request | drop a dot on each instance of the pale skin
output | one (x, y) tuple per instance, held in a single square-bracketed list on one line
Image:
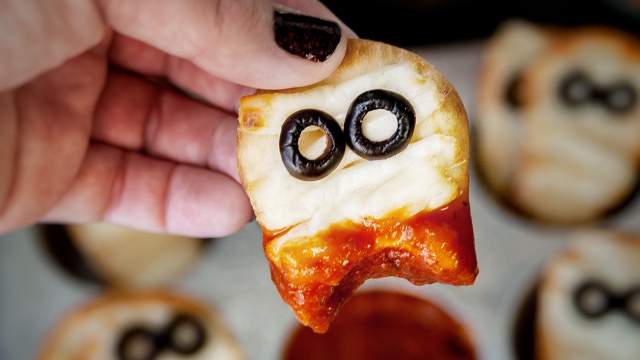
[(86, 135)]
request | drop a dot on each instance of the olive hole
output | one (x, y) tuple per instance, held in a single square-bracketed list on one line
[(576, 88), (138, 345), (592, 300), (633, 305), (621, 99), (185, 335), (578, 91), (140, 349), (379, 125), (313, 142)]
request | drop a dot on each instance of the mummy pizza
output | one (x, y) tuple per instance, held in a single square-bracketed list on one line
[(360, 176), (500, 117), (137, 326), (123, 257), (575, 154), (589, 301)]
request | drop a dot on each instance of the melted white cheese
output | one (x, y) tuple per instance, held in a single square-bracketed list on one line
[(416, 179)]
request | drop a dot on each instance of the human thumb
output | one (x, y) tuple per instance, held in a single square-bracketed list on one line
[(250, 42)]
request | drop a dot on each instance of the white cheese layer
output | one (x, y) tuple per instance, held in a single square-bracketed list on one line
[(418, 178)]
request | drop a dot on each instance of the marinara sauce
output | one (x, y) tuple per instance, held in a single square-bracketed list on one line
[(384, 325)]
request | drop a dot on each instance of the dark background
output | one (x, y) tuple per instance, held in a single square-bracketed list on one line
[(421, 22)]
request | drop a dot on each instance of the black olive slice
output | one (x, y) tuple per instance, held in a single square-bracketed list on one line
[(299, 166), (384, 100), (632, 304), (185, 335), (620, 98), (576, 88), (592, 299), (63, 251), (137, 343), (512, 92)]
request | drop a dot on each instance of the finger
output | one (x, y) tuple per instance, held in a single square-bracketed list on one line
[(137, 56), (134, 190), (238, 40), (318, 9), (47, 123), (41, 35), (138, 115)]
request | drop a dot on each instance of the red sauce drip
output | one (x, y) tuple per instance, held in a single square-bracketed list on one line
[(317, 275), (385, 325)]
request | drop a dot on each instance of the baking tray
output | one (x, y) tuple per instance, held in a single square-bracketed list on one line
[(233, 274)]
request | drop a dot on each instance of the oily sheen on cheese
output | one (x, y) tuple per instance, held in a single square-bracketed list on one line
[(325, 237)]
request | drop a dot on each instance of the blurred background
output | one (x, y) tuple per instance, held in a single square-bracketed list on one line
[(46, 272), (426, 22)]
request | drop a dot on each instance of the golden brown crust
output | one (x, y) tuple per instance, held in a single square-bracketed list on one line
[(361, 56), (566, 41), (453, 108)]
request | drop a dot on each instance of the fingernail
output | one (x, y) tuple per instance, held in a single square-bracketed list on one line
[(305, 36)]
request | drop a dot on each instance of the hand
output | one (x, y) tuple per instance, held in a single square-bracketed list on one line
[(90, 130)]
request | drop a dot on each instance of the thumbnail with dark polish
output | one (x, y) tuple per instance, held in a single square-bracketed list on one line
[(305, 36)]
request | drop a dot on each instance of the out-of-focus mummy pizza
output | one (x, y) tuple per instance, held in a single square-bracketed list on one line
[(581, 155), (362, 175), (500, 117), (576, 155), (126, 258), (589, 300), (141, 326)]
